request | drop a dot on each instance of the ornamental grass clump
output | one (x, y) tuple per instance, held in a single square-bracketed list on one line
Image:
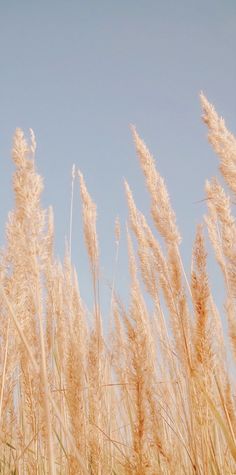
[(158, 395)]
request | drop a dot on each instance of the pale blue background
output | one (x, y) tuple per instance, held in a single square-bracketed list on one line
[(79, 72)]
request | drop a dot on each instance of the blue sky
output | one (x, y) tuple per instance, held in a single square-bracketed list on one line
[(79, 72)]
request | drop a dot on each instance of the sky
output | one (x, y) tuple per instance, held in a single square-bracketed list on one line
[(80, 72)]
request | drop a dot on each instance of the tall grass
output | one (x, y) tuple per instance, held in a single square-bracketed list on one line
[(157, 397)]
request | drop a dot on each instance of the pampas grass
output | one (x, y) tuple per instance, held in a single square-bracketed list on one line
[(157, 396)]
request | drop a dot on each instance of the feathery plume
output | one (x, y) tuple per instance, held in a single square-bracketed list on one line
[(222, 141), (163, 214)]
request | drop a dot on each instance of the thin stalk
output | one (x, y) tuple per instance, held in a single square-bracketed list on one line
[(71, 207), (4, 367), (46, 393)]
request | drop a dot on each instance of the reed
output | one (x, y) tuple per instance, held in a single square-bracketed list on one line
[(157, 396)]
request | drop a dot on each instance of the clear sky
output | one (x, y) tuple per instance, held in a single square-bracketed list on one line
[(79, 72)]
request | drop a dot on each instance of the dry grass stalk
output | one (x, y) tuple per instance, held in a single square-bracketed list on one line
[(159, 397), (223, 142)]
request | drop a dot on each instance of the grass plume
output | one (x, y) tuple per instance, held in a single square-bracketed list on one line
[(157, 396)]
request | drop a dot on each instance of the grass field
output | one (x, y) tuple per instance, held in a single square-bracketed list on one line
[(158, 396)]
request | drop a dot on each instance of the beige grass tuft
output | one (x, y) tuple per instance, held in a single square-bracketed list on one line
[(157, 396)]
